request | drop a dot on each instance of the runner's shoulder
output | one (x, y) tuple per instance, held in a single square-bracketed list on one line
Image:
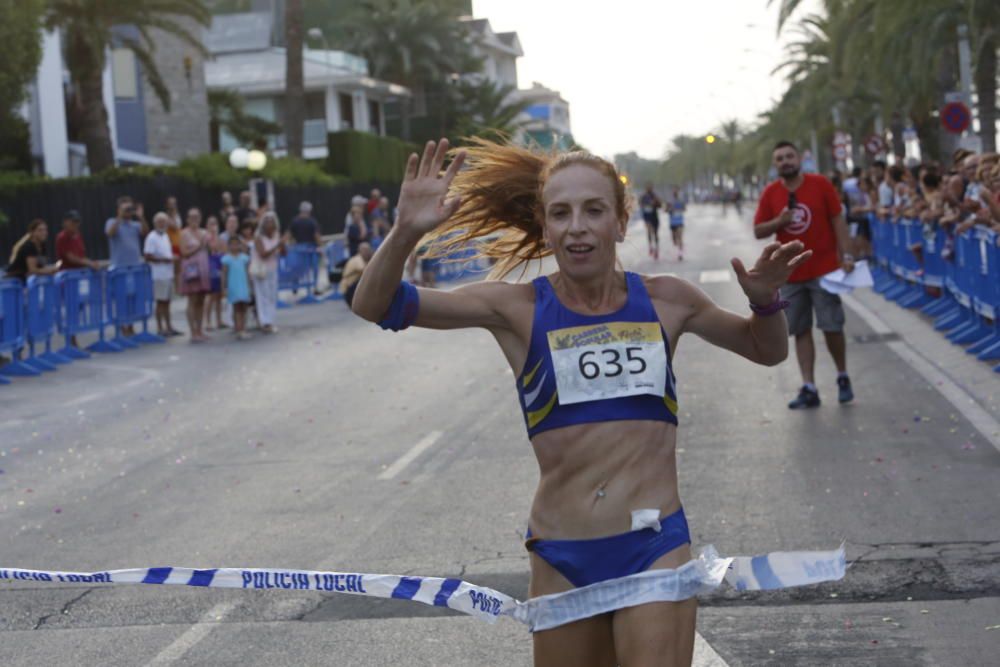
[(670, 289), (499, 294)]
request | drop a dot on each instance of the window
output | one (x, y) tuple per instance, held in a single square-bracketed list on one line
[(346, 111), (315, 106), (375, 116), (124, 74)]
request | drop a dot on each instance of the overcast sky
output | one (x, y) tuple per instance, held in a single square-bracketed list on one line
[(638, 72)]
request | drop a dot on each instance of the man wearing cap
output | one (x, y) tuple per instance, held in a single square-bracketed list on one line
[(69, 245)]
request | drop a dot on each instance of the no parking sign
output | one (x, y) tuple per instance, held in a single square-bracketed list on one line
[(955, 117)]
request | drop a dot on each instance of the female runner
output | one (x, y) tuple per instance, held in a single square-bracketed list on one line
[(592, 349)]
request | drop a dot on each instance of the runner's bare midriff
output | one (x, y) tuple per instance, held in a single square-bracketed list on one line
[(592, 476)]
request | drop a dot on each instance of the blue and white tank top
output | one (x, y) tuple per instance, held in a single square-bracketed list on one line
[(594, 368)]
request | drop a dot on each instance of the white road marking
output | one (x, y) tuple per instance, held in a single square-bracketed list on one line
[(192, 635), (963, 402), (718, 276), (407, 458), (705, 655)]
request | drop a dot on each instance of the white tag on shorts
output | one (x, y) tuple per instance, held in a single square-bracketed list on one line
[(609, 360)]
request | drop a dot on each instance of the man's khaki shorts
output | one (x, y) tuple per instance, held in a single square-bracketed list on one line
[(806, 297)]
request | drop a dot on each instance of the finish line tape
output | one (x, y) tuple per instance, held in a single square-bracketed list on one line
[(781, 569)]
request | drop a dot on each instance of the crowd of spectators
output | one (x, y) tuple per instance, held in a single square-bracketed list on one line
[(954, 197), (225, 263)]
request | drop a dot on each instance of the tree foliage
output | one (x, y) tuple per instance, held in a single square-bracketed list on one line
[(227, 110), (856, 62), (20, 33), (91, 27), (486, 109)]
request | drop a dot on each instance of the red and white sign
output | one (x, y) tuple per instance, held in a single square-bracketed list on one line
[(956, 117), (874, 144)]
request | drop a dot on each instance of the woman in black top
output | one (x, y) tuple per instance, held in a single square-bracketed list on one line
[(28, 257)]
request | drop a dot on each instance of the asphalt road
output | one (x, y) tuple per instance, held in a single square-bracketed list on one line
[(269, 453)]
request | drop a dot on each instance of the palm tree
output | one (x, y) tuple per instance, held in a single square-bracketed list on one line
[(295, 94), (911, 53), (413, 43), (227, 110), (488, 110), (87, 26), (20, 34)]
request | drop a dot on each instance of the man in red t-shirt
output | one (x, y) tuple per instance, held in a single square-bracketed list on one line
[(806, 207), (69, 245)]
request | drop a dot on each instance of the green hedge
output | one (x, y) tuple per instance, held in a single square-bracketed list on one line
[(211, 170), (361, 156)]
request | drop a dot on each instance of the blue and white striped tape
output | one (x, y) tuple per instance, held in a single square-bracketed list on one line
[(768, 572)]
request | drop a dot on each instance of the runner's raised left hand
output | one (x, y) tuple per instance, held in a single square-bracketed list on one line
[(771, 270)]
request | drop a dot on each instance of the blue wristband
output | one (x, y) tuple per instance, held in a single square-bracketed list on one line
[(403, 310)]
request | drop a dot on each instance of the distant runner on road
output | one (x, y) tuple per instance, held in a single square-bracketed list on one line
[(592, 349), (677, 206), (650, 206)]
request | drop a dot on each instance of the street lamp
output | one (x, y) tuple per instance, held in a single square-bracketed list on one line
[(238, 158), (256, 160)]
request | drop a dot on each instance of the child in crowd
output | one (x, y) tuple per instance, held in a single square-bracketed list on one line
[(236, 285), (216, 249), (232, 229), (247, 230)]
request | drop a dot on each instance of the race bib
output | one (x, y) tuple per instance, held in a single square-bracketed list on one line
[(609, 360)]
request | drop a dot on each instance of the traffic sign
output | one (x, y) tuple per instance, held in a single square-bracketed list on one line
[(955, 117), (874, 144)]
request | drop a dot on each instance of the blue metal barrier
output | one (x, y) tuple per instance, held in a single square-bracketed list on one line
[(965, 267), (460, 264), (40, 322), (299, 269), (130, 301), (912, 238), (12, 329), (967, 273), (144, 303), (955, 313), (986, 292), (81, 309), (120, 307)]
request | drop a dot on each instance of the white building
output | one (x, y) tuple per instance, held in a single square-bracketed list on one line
[(545, 120), (340, 95), (141, 130), (499, 52)]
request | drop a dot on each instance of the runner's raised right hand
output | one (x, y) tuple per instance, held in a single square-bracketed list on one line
[(423, 205)]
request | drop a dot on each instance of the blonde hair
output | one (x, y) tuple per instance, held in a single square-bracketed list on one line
[(501, 213), (986, 163), (268, 215), (32, 226)]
